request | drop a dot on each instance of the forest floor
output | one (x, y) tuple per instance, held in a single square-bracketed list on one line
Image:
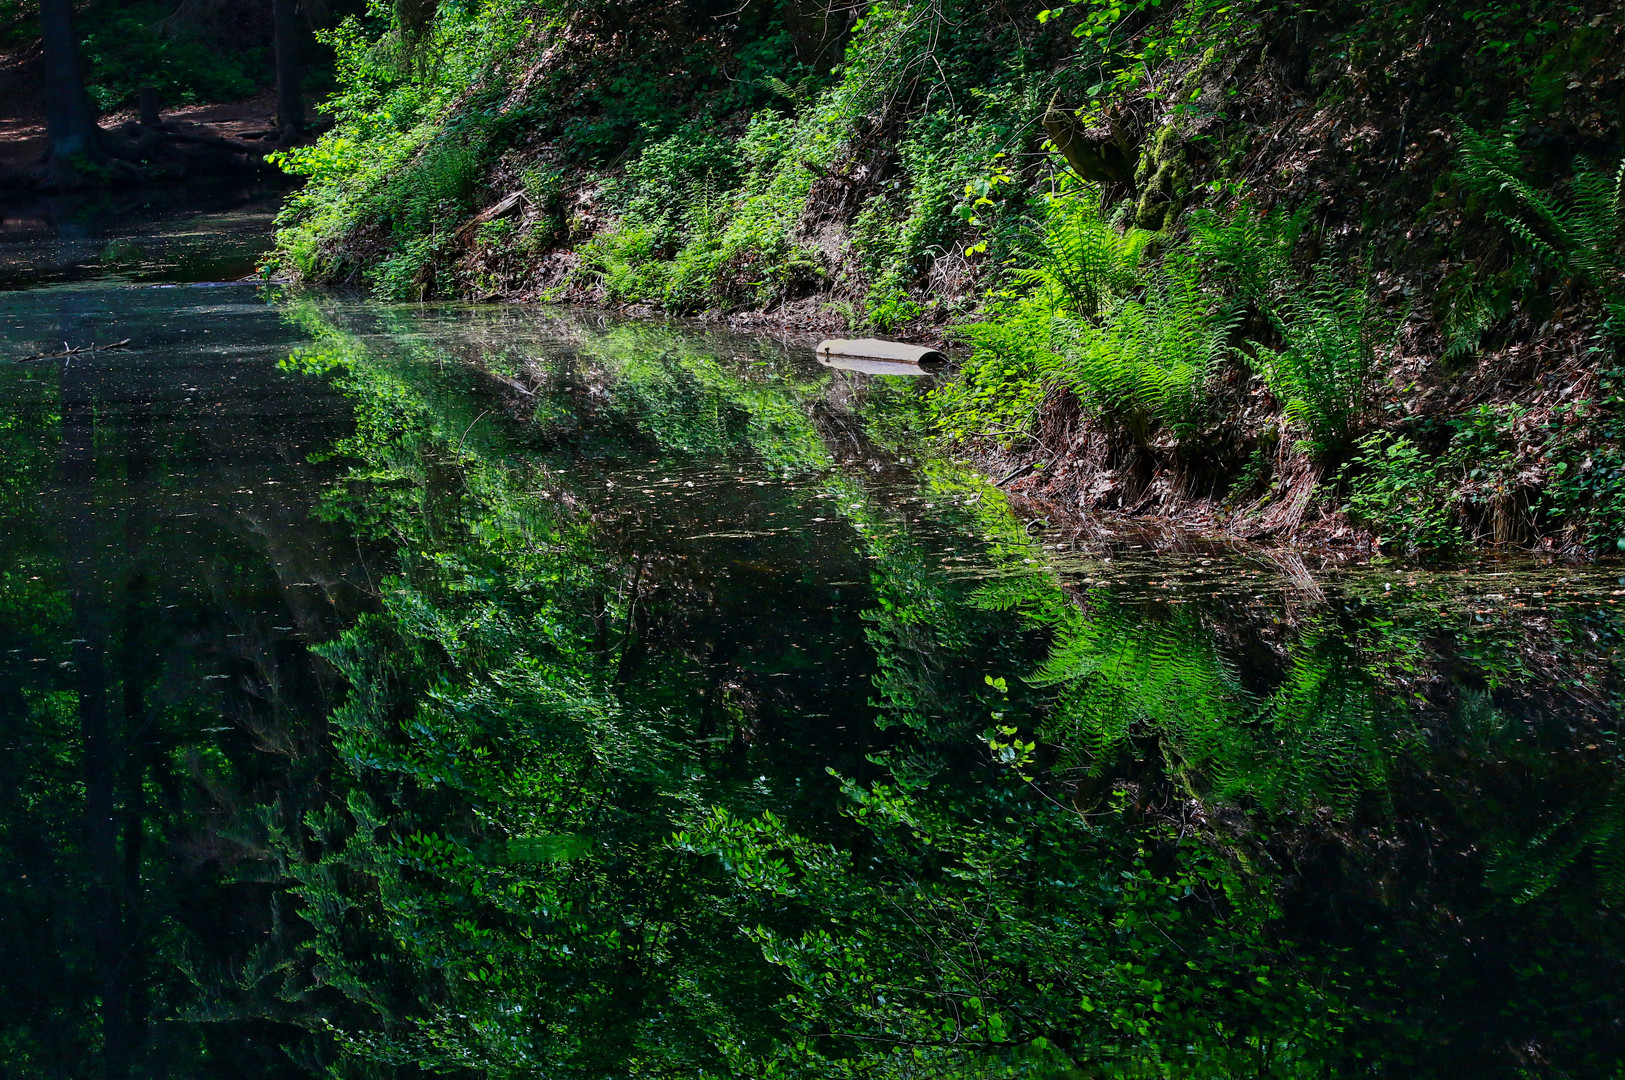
[(22, 109), (22, 112)]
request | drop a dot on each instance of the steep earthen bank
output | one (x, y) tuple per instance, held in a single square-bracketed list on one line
[(905, 193)]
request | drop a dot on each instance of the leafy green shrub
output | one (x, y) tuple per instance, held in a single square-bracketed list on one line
[(671, 177), (894, 308), (632, 100), (916, 219), (762, 251), (1328, 332), (1000, 389), (433, 191), (1418, 501), (1138, 344), (626, 266), (691, 281), (496, 233), (667, 248), (393, 160), (1484, 456), (676, 202), (1403, 494), (544, 190), (405, 275), (1577, 231), (128, 47), (735, 217)]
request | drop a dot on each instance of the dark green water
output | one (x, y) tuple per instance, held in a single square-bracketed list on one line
[(213, 231), (452, 691)]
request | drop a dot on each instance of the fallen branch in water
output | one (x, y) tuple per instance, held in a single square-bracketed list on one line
[(1020, 471), (69, 350)]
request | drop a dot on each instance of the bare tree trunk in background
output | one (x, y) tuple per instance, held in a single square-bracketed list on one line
[(68, 120), (290, 106), (147, 97)]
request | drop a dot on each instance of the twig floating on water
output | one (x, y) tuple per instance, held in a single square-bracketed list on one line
[(69, 350)]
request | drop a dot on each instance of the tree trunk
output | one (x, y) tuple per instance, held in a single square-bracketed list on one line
[(290, 106), (69, 123), (147, 96)]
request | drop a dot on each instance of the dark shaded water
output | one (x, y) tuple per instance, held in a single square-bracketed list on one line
[(210, 231), (390, 691)]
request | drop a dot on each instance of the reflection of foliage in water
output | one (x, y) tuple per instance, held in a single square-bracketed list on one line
[(1088, 835), (1120, 673), (521, 763), (1350, 699), (985, 928), (520, 754), (1449, 760), (148, 700)]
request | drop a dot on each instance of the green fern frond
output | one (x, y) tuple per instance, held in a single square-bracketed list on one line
[(1322, 373), (1582, 235), (1249, 252), (1081, 259), (1147, 362)]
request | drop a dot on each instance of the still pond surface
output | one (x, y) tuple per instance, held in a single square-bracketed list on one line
[(404, 691)]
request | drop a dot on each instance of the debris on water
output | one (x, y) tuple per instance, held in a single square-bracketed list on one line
[(872, 356), (69, 350)]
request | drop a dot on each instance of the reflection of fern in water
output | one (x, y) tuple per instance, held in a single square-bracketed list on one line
[(1525, 864), (1319, 740), (1525, 867), (1314, 740), (1327, 731), (1120, 674)]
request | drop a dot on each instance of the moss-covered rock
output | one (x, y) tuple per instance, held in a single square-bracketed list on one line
[(1162, 179)]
